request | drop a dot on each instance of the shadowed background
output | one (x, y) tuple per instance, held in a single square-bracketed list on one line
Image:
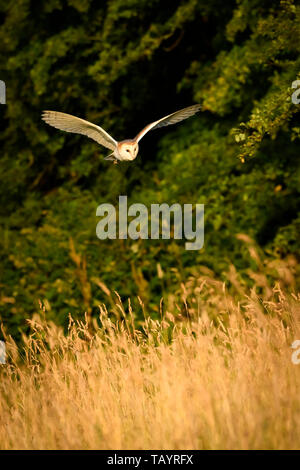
[(122, 64)]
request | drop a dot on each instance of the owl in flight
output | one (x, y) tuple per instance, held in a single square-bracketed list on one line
[(123, 150)]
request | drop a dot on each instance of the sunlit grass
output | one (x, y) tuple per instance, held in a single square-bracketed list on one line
[(221, 377)]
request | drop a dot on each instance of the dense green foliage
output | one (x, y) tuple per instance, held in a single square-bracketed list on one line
[(121, 64)]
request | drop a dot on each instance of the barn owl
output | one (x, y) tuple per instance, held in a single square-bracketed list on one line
[(121, 151)]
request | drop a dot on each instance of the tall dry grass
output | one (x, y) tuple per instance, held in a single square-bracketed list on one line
[(218, 377)]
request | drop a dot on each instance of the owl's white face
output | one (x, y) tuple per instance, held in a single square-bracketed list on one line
[(128, 150)]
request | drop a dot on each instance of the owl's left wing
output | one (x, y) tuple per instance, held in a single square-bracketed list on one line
[(70, 123), (170, 119)]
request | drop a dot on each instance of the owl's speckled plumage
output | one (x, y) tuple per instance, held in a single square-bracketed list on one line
[(124, 150)]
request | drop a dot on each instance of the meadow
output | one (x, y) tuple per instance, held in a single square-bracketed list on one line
[(219, 376)]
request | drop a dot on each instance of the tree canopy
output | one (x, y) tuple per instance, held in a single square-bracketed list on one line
[(122, 64)]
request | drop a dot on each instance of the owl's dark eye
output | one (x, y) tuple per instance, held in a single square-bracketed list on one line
[(127, 150)]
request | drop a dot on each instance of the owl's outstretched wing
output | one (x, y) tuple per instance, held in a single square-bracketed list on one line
[(69, 123), (170, 119)]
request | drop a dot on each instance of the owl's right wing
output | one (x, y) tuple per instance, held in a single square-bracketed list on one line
[(170, 119), (69, 123)]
